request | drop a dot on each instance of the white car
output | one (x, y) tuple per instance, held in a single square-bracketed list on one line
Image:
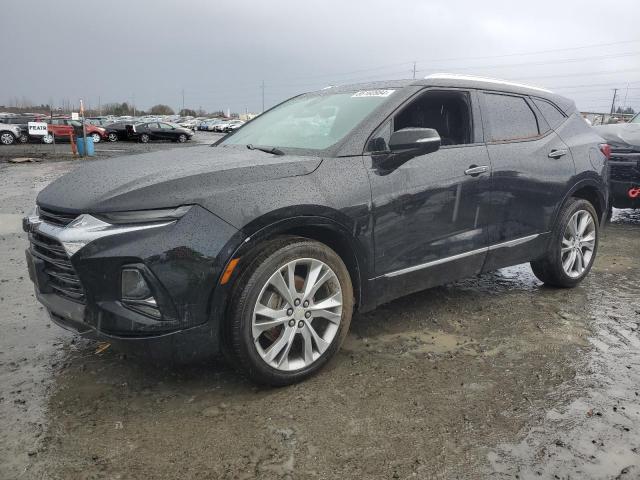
[(10, 134)]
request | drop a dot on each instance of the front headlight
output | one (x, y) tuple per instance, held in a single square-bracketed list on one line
[(89, 227), (143, 216)]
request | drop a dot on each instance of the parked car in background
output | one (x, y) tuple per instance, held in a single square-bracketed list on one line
[(118, 130), (233, 126), (210, 126), (330, 203), (222, 126), (190, 124), (55, 127), (10, 134), (99, 122), (144, 132), (624, 165)]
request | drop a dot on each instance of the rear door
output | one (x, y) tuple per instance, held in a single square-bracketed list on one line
[(153, 130), (531, 170)]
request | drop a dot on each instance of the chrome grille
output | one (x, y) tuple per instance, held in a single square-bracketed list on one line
[(56, 218), (60, 272)]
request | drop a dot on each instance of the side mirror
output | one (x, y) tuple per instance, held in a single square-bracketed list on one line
[(408, 143), (418, 140)]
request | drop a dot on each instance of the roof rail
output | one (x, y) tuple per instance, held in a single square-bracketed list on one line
[(457, 76)]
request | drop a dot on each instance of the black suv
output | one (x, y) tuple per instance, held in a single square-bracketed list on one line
[(264, 244), (624, 167)]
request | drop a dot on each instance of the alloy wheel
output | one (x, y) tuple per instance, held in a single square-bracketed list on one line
[(297, 314), (578, 243), (6, 139), (48, 138), (96, 137)]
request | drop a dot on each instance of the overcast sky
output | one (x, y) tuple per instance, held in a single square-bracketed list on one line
[(220, 52)]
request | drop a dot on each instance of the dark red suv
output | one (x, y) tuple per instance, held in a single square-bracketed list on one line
[(60, 128)]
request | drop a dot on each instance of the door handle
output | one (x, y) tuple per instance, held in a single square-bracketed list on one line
[(474, 170), (557, 153)]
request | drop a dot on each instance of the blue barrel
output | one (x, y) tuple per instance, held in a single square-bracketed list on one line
[(90, 148)]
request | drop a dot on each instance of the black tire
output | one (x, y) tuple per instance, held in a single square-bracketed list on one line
[(549, 269), (7, 138), (24, 138), (182, 138), (240, 345), (96, 137), (47, 139), (144, 138), (112, 137)]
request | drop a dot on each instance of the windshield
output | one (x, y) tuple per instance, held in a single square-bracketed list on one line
[(310, 122), (635, 119)]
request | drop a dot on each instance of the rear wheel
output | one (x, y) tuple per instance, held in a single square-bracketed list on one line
[(182, 138), (574, 243), (144, 138), (48, 138), (24, 138), (7, 138), (96, 137), (290, 311), (112, 137)]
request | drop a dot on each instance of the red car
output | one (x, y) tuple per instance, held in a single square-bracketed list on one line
[(61, 127)]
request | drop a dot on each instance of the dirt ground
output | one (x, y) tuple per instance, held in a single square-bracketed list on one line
[(492, 377)]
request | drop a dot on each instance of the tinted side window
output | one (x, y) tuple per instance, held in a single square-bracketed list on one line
[(551, 114), (510, 118)]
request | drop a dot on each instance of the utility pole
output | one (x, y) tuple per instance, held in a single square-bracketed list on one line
[(263, 96), (133, 103), (613, 102), (183, 99), (99, 106), (414, 70)]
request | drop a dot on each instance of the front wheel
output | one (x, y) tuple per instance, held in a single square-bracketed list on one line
[(7, 138), (574, 243), (96, 137), (112, 137), (290, 311), (182, 138), (144, 138), (48, 139)]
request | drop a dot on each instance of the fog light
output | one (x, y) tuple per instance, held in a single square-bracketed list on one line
[(134, 286), (136, 294)]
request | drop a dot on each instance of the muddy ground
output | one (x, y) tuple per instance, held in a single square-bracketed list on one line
[(492, 377)]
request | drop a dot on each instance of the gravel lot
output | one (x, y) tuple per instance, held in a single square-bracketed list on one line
[(492, 377)]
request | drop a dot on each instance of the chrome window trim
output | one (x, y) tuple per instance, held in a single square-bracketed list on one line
[(440, 261)]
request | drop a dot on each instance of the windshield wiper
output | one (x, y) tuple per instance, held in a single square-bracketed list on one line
[(273, 150)]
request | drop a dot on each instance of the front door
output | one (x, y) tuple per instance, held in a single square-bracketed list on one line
[(430, 214)]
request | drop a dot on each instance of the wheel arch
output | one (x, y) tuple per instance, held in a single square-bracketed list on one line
[(321, 229), (590, 189)]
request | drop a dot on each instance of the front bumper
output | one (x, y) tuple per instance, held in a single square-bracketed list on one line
[(624, 179), (182, 262)]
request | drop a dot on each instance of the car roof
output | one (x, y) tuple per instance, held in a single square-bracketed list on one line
[(452, 80)]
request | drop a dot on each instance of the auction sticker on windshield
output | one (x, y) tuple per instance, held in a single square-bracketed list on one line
[(373, 93)]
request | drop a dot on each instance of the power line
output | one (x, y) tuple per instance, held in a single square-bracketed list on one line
[(549, 62), (484, 57)]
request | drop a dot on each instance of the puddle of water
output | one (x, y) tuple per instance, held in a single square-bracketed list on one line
[(412, 342), (595, 433)]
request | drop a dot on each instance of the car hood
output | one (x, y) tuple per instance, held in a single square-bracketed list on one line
[(166, 179), (621, 135)]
